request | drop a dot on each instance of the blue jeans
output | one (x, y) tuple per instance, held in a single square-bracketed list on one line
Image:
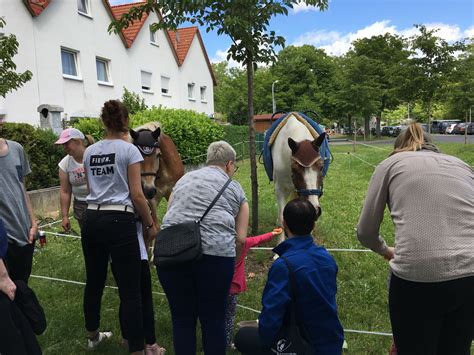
[(199, 291)]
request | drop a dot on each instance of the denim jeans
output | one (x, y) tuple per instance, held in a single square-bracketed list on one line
[(199, 291), (113, 233)]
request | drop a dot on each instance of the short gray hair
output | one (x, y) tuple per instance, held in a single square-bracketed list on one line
[(219, 153)]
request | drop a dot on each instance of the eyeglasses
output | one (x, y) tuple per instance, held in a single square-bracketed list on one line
[(236, 167)]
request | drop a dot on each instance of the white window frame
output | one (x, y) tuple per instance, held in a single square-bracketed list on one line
[(75, 54), (88, 12), (165, 89), (107, 71), (191, 87), (146, 89), (153, 37), (202, 93)]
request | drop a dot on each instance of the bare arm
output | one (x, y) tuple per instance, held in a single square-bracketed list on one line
[(241, 225), (34, 225), (65, 198), (139, 200), (6, 284)]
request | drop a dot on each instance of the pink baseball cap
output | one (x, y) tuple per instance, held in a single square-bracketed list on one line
[(68, 134)]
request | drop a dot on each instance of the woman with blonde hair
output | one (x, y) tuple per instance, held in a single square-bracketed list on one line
[(72, 179), (430, 196)]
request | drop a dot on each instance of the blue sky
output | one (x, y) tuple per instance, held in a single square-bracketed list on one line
[(347, 20)]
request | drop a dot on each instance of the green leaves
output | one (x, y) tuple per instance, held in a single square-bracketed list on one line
[(9, 79)]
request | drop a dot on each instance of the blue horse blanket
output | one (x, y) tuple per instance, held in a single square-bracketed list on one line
[(267, 153)]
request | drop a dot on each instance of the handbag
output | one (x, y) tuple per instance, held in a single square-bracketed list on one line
[(180, 243), (290, 339)]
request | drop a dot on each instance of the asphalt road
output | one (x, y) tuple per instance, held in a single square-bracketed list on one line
[(445, 138)]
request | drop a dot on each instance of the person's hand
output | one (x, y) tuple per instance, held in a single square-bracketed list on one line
[(151, 233), (66, 224), (7, 286), (33, 231), (389, 253), (277, 231)]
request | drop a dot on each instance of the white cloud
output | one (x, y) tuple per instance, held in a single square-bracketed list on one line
[(337, 43), (221, 55), (302, 7), (469, 32)]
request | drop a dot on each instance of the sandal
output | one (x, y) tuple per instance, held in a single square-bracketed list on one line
[(154, 349)]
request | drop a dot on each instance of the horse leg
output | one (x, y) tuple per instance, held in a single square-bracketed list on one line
[(281, 195)]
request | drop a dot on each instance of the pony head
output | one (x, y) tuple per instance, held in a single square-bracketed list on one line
[(147, 141), (307, 169)]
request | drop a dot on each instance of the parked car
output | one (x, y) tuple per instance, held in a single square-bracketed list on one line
[(387, 131), (470, 128), (449, 129), (459, 128)]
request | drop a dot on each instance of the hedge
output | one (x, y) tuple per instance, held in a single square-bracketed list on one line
[(42, 153), (192, 132)]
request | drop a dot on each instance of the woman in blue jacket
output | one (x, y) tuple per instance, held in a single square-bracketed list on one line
[(315, 274)]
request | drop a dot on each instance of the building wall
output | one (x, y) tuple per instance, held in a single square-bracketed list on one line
[(60, 25)]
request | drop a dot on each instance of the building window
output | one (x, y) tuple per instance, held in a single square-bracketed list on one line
[(203, 93), (152, 36), (165, 85), (191, 91), (83, 6), (103, 70), (146, 80), (69, 63)]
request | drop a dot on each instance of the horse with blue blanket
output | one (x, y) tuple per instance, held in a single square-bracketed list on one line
[(296, 157)]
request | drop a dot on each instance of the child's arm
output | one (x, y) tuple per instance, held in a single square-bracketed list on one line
[(251, 242)]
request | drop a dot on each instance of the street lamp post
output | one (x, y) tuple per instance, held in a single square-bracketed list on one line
[(273, 96)]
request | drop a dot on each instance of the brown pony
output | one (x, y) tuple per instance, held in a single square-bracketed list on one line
[(161, 166)]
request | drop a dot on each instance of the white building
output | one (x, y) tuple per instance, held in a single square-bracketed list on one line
[(77, 65)]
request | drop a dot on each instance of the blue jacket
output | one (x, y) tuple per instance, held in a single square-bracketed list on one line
[(316, 310)]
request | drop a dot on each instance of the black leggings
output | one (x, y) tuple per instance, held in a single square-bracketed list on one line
[(432, 318), (147, 304), (112, 233)]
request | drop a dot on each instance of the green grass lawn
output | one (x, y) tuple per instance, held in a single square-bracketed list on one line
[(362, 279)]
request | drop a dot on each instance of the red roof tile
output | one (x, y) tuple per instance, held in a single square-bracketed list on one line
[(131, 32), (267, 117), (35, 7)]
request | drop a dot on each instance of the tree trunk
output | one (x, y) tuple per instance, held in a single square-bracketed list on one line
[(366, 125), (377, 127), (349, 121), (430, 106), (252, 149)]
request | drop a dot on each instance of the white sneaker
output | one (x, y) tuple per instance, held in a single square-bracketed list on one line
[(92, 344)]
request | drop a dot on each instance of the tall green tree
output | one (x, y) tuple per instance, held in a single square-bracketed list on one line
[(386, 56), (246, 22), (432, 63), (461, 86), (9, 79)]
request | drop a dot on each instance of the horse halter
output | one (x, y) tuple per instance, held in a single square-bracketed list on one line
[(146, 144), (308, 192)]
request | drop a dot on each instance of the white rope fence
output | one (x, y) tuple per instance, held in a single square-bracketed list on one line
[(80, 283)]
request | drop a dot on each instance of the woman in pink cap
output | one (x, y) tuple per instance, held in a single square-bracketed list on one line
[(71, 175)]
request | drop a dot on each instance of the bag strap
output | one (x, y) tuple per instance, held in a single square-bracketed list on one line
[(215, 199)]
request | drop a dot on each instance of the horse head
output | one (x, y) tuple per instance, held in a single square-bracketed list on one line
[(307, 169), (148, 142)]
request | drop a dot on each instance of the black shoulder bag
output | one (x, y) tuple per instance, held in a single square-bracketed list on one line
[(181, 243), (290, 339)]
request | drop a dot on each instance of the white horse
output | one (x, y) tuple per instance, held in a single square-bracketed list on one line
[(297, 163)]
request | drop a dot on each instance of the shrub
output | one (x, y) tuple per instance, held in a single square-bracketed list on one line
[(192, 132), (236, 134), (42, 153), (92, 126), (133, 102)]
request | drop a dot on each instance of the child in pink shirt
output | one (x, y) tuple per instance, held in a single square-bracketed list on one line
[(239, 283)]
